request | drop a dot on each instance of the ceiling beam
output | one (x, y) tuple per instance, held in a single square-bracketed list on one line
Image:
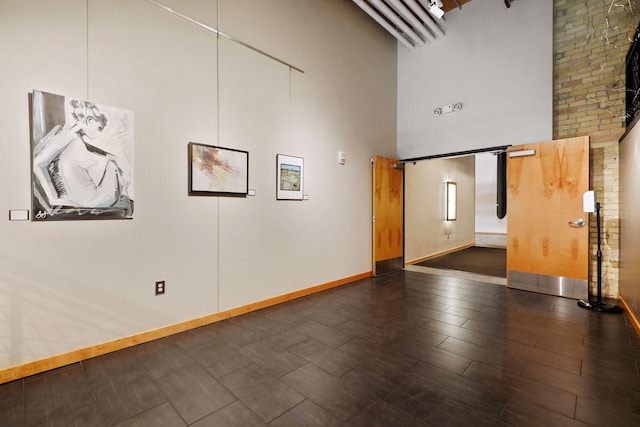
[(448, 5)]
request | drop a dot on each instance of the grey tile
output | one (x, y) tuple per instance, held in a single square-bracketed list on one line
[(162, 356), (235, 335), (86, 416), (464, 391), (125, 395), (318, 313), (450, 413), (434, 356), (258, 323), (342, 399), (520, 412), (306, 414), (52, 395), (116, 363), (324, 333), (402, 349), (195, 337), (284, 315), (12, 403), (194, 393), (163, 415), (233, 415), (459, 332), (384, 336), (377, 413), (275, 358), (599, 413), (264, 394), (282, 338), (391, 384), (218, 358), (334, 361)]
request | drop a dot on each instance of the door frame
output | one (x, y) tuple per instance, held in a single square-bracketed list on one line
[(391, 258)]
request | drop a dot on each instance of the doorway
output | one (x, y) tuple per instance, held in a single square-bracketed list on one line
[(472, 244), (490, 224), (547, 234)]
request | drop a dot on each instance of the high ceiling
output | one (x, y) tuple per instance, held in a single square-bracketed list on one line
[(415, 23)]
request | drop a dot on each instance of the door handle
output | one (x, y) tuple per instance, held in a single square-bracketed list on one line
[(578, 223)]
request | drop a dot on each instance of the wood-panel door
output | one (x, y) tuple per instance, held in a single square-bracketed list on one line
[(388, 240), (547, 243)]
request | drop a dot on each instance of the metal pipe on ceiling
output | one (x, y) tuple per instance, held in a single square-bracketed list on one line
[(397, 19), (427, 19), (413, 19), (407, 20), (383, 22)]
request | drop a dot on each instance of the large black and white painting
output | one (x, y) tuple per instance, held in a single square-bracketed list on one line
[(82, 157)]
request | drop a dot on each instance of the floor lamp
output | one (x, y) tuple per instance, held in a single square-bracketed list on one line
[(596, 304)]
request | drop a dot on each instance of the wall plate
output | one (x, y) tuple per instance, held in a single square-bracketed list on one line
[(19, 215)]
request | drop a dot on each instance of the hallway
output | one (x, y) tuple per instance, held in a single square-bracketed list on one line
[(404, 349)]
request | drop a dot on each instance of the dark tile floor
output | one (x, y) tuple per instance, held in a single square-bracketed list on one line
[(406, 349)]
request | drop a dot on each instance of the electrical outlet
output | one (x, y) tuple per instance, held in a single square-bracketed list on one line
[(160, 287)]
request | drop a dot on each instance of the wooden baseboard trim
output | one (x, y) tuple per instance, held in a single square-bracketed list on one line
[(43, 365), (448, 251), (632, 317)]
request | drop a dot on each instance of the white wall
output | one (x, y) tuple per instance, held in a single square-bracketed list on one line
[(630, 219), (486, 195), (496, 61), (426, 231), (69, 285)]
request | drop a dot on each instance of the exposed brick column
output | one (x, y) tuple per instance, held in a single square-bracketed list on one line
[(591, 40)]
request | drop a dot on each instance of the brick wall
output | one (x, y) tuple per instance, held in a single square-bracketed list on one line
[(591, 39)]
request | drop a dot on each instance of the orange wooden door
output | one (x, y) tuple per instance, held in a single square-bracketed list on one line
[(547, 245), (388, 243)]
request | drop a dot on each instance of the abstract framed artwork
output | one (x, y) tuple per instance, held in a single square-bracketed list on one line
[(218, 171), (290, 177), (81, 159)]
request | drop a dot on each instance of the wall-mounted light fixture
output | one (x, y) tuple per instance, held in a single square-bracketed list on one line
[(435, 8), (450, 201)]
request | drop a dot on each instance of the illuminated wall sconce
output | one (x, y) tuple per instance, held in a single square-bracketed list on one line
[(450, 201)]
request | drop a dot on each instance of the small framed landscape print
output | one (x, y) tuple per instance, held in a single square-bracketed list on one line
[(290, 177), (218, 171)]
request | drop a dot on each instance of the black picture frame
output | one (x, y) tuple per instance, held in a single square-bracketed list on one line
[(289, 177), (217, 171)]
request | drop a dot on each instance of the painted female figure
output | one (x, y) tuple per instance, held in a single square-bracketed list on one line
[(74, 173)]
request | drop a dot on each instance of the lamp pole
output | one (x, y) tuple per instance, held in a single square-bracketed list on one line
[(598, 305)]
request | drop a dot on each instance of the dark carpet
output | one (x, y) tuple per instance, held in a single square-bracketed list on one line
[(486, 261)]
